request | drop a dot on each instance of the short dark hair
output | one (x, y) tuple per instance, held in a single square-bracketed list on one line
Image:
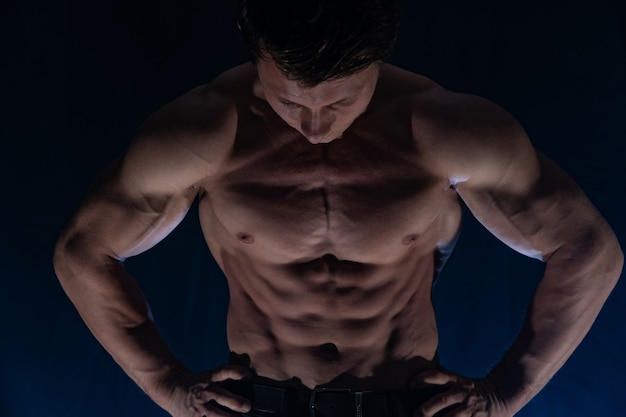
[(319, 40)]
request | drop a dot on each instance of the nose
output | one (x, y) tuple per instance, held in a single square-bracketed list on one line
[(315, 125)]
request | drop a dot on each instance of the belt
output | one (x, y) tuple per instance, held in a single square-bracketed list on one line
[(273, 401)]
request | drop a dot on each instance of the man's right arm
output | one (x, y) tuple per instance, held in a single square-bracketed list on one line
[(132, 206)]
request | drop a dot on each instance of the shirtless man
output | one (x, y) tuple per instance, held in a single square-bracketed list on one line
[(328, 184)]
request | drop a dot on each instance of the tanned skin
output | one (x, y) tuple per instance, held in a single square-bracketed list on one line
[(324, 207)]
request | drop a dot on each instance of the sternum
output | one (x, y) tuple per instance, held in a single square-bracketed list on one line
[(324, 193)]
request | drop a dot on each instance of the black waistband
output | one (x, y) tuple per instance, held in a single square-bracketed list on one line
[(274, 401)]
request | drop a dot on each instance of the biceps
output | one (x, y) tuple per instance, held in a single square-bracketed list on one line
[(145, 228), (118, 226), (536, 221)]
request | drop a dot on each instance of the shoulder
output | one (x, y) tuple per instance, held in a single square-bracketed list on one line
[(457, 136), (202, 120), (471, 138), (186, 140)]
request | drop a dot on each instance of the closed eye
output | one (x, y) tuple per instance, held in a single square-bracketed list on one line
[(289, 104), (342, 103)]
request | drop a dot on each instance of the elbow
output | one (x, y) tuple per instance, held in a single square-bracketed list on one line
[(61, 259), (612, 260), (76, 258), (619, 262), (70, 256), (595, 253), (615, 254)]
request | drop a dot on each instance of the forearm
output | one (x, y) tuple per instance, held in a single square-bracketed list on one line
[(566, 302), (115, 311)]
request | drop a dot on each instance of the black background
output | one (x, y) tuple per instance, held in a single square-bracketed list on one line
[(77, 78)]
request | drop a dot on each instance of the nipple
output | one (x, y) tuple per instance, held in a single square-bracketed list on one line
[(245, 237), (410, 239)]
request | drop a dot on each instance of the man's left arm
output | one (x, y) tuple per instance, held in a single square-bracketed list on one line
[(533, 206)]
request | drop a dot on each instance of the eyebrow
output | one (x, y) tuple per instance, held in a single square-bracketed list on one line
[(286, 100)]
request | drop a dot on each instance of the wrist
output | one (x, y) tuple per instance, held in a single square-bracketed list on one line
[(163, 390), (510, 387)]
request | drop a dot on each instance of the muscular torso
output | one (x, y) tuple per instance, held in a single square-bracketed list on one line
[(329, 249)]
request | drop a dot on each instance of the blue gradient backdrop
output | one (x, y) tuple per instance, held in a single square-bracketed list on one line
[(78, 77)]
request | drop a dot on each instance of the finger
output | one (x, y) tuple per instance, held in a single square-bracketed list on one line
[(442, 401), (440, 378), (432, 377), (222, 397), (232, 401), (230, 372), (211, 410)]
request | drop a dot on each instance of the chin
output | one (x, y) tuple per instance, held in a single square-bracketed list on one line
[(326, 139)]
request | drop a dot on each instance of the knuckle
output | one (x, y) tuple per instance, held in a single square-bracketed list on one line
[(446, 398), (242, 403), (451, 397), (460, 397)]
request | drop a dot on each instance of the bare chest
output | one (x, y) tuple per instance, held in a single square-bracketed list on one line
[(359, 201)]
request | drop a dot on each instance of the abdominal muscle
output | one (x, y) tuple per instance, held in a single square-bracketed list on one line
[(332, 322), (329, 253)]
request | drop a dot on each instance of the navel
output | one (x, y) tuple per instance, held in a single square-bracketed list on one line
[(328, 351), (245, 237), (331, 262)]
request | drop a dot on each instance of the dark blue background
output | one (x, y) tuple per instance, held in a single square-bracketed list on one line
[(78, 77)]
